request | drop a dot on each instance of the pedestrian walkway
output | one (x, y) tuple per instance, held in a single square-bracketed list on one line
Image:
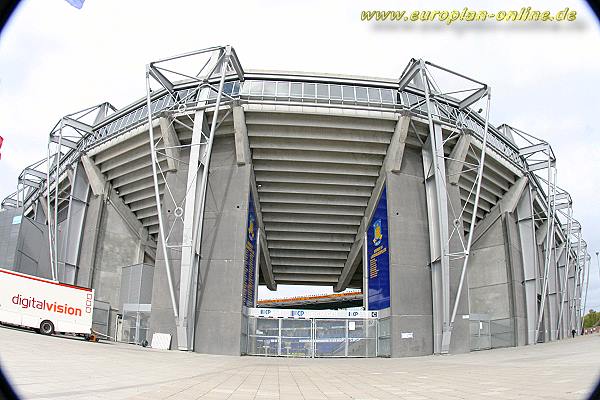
[(56, 368)]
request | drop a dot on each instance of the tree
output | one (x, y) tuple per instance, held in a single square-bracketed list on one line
[(591, 319)]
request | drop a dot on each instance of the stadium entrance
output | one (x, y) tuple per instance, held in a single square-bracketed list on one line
[(316, 333)]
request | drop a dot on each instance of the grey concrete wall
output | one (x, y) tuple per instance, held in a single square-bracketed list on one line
[(116, 247), (24, 245), (410, 275), (32, 254), (488, 277), (496, 280), (460, 342), (9, 234), (219, 297), (219, 305)]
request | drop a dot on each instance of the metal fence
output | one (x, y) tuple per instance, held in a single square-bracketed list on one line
[(314, 337), (491, 334), (136, 302)]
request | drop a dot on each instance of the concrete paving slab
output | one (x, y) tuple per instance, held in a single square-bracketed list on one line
[(57, 368)]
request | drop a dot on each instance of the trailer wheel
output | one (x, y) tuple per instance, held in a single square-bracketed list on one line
[(46, 327)]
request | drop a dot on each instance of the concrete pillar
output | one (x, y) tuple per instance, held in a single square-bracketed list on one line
[(514, 255), (218, 319), (89, 242), (410, 274)]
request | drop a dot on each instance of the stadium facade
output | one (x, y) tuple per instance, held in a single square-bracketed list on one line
[(454, 229)]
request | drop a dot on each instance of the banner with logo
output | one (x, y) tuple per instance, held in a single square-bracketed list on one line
[(378, 257), (250, 255)]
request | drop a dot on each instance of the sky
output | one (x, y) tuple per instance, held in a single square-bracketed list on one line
[(56, 59)]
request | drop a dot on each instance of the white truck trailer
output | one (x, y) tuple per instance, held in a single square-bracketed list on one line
[(45, 305)]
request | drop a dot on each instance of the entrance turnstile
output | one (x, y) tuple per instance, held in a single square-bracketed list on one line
[(312, 333)]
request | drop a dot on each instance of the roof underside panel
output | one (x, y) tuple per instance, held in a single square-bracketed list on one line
[(315, 175)]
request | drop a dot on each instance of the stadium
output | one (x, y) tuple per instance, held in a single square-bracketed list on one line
[(452, 231)]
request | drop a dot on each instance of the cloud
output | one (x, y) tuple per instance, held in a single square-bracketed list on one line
[(55, 59)]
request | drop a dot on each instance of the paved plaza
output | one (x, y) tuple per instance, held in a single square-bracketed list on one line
[(67, 368)]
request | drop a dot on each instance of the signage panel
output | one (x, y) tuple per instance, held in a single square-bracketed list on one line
[(378, 257), (307, 314), (248, 290)]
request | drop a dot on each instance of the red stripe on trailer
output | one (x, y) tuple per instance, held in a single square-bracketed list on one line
[(34, 278)]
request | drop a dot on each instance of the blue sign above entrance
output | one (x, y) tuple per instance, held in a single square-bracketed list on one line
[(378, 257)]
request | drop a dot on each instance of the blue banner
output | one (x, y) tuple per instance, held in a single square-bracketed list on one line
[(378, 257), (250, 255)]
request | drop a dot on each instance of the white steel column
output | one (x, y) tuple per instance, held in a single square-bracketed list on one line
[(437, 206), (162, 235)]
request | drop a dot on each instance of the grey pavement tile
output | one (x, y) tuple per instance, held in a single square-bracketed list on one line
[(119, 371)]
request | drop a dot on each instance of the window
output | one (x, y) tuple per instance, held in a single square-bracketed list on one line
[(335, 92), (269, 89), (256, 88), (322, 91), (296, 90), (309, 90), (348, 93), (374, 95), (361, 94), (387, 96), (283, 89)]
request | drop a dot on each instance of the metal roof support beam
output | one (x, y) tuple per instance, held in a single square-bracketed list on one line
[(473, 98), (540, 165), (163, 80), (457, 158), (77, 125), (30, 183), (63, 141), (412, 70), (540, 147), (10, 202), (34, 172)]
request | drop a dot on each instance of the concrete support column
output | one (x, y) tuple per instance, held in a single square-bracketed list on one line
[(89, 242), (410, 273), (218, 318), (72, 233), (529, 258)]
